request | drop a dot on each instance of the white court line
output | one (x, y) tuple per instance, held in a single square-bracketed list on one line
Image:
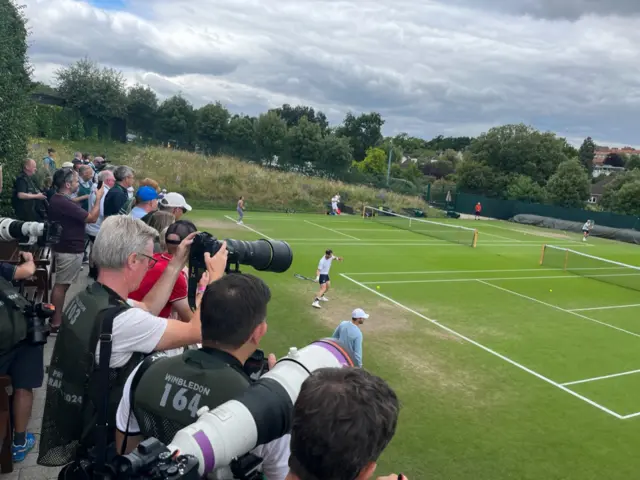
[(601, 378), (604, 308), (330, 229), (481, 271), (526, 231), (445, 280), (560, 309), (434, 244), (487, 349), (485, 234), (630, 416), (249, 228)]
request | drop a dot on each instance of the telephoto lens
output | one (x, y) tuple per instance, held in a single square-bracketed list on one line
[(263, 255)]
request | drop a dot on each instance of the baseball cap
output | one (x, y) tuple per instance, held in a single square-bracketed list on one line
[(146, 194), (67, 165), (175, 200), (359, 313)]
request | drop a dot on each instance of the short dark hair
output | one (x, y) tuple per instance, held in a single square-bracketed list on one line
[(342, 420), (232, 307), (181, 228), (62, 176)]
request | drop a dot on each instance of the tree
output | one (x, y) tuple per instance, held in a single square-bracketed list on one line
[(176, 121), (374, 163), (15, 104), (519, 149), (241, 136), (98, 93), (142, 110), (523, 188), (615, 160), (586, 153), (363, 132), (633, 163), (304, 145), (293, 115), (441, 143), (609, 199), (475, 177), (626, 200), (336, 155), (212, 121), (570, 185), (270, 133), (437, 169)]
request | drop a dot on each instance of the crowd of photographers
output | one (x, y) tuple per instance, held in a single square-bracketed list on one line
[(133, 359)]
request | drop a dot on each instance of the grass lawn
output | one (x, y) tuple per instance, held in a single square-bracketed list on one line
[(495, 358)]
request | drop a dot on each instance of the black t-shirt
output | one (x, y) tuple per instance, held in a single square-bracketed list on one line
[(115, 200), (26, 210), (7, 271)]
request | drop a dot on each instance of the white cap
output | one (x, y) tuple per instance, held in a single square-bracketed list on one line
[(174, 200), (359, 313), (67, 165)]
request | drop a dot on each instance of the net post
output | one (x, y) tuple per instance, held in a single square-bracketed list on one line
[(475, 239), (544, 247), (566, 259), (363, 210)]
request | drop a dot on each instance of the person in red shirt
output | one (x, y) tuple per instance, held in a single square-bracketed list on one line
[(478, 210), (176, 232)]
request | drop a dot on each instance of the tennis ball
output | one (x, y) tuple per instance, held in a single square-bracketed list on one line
[(378, 287), (550, 290)]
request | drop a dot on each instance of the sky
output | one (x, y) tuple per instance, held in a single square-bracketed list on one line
[(439, 67)]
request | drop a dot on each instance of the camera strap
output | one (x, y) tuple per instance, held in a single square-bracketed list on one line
[(102, 428)]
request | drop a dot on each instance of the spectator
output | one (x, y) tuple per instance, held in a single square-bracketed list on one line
[(146, 202), (69, 251), (92, 229), (85, 174), (174, 203), (47, 187), (117, 201), (77, 163), (24, 363), (349, 334), (342, 420), (159, 221), (148, 182), (177, 300), (49, 161), (123, 253), (233, 312), (28, 200), (67, 165)]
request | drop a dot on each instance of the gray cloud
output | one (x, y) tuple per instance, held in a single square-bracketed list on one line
[(428, 67)]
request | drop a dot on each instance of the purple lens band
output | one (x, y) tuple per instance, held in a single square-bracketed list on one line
[(336, 353), (207, 451)]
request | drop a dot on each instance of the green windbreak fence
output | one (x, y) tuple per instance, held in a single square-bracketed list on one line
[(506, 209)]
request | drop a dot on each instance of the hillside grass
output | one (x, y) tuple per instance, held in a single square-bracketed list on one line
[(217, 182)]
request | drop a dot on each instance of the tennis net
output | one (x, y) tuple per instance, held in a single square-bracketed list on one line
[(439, 230), (589, 266)]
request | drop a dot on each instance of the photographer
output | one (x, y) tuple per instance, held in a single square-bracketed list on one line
[(343, 419), (21, 361), (233, 315), (123, 254)]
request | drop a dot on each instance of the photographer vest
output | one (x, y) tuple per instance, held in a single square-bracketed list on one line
[(13, 324), (69, 419), (167, 395)]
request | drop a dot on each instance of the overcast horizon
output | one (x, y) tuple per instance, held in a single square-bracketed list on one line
[(452, 68)]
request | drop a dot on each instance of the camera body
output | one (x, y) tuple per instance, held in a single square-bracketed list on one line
[(38, 328)]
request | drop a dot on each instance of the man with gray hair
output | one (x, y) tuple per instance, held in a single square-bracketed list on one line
[(117, 201), (102, 319), (92, 229)]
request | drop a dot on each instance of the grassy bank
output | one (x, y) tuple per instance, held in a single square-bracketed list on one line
[(219, 181)]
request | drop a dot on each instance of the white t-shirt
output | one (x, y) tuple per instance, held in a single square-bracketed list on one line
[(134, 330), (586, 226), (325, 265), (275, 453)]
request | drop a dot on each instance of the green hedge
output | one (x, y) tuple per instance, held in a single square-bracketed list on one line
[(52, 121)]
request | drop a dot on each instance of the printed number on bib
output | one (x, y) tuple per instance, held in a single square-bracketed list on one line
[(180, 401)]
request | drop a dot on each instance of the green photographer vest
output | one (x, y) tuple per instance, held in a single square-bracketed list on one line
[(13, 324), (169, 393), (69, 419)]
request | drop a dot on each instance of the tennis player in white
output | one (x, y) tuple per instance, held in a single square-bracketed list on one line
[(322, 276), (586, 229)]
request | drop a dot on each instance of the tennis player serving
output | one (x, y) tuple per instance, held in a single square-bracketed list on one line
[(322, 277)]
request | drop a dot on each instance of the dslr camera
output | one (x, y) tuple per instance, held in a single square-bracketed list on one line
[(263, 255)]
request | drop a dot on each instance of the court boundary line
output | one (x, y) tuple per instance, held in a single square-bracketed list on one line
[(603, 377), (559, 308), (539, 233), (488, 350), (453, 280), (413, 244), (331, 230), (422, 272), (249, 228), (610, 307)]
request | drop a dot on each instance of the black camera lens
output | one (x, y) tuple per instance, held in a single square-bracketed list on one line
[(263, 255)]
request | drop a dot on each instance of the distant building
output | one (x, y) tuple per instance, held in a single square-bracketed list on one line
[(606, 170), (597, 189), (602, 152)]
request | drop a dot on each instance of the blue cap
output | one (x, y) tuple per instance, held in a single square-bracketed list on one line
[(146, 194)]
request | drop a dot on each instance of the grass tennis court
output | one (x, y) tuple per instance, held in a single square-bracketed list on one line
[(506, 369)]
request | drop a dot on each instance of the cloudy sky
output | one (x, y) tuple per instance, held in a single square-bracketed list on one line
[(451, 67)]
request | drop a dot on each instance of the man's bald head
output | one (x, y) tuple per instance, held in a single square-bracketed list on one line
[(29, 166)]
